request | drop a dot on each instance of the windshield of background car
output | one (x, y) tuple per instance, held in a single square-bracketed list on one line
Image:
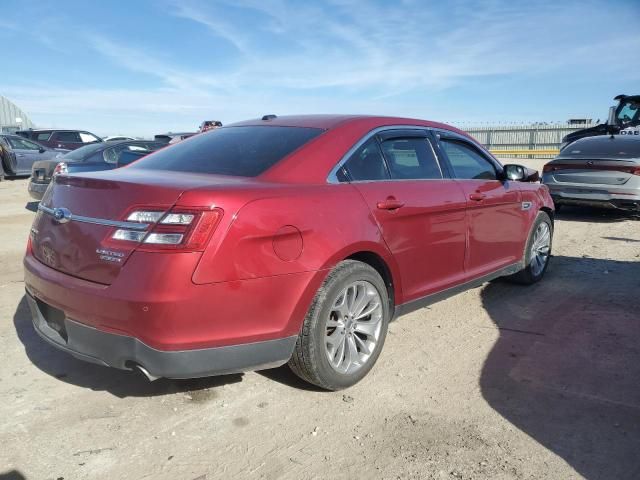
[(629, 113), (83, 152), (237, 151)]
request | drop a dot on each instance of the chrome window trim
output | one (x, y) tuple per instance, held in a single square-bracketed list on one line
[(96, 221), (332, 178)]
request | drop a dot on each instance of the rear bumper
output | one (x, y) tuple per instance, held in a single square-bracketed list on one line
[(125, 352), (155, 316), (36, 190), (610, 196)]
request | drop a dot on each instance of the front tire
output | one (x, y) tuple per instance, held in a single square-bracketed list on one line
[(537, 251), (345, 329)]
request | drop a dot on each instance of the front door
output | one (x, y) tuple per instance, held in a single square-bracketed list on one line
[(26, 153), (496, 225), (420, 212)]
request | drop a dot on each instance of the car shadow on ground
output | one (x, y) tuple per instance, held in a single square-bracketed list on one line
[(120, 383), (595, 215), (565, 369)]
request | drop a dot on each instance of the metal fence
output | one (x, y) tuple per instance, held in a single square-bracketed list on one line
[(530, 141)]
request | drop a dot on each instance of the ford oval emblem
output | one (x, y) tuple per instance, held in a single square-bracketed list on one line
[(61, 215)]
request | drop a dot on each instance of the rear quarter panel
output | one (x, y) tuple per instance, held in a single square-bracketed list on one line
[(295, 229)]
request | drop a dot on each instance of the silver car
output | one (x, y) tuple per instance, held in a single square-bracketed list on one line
[(602, 171)]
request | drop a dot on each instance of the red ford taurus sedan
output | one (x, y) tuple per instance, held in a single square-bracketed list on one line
[(285, 239)]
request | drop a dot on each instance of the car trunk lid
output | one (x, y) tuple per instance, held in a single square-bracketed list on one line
[(592, 171), (78, 215)]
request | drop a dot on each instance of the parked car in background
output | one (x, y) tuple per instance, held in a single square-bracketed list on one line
[(116, 138), (599, 171), (295, 239), (90, 158), (173, 137), (209, 125), (19, 154), (66, 139)]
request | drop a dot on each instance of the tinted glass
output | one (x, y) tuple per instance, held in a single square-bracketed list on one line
[(467, 163), (367, 163), (629, 112), (238, 151), (83, 152), (71, 137), (411, 158), (43, 137)]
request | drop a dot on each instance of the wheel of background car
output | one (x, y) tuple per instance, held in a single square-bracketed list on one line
[(110, 155), (345, 328), (537, 251)]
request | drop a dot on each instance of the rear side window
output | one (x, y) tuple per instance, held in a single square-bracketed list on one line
[(411, 158), (43, 136), (71, 137), (238, 151), (466, 162), (367, 163)]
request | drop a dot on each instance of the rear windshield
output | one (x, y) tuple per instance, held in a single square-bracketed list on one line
[(238, 151), (83, 152)]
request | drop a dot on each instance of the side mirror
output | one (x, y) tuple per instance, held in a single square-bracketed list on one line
[(514, 172), (41, 150)]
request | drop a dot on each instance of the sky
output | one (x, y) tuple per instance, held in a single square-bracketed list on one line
[(151, 66)]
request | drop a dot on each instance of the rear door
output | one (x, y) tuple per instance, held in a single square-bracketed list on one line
[(496, 225), (420, 212)]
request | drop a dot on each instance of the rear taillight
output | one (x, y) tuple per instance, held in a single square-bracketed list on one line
[(60, 169), (554, 167), (178, 229)]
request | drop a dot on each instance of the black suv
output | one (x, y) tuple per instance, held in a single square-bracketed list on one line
[(66, 139)]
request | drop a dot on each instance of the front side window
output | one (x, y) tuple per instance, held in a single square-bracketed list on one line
[(70, 137), (238, 151), (22, 144), (367, 163), (466, 162), (43, 136), (411, 158)]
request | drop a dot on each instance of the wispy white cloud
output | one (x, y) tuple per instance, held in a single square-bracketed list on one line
[(340, 56)]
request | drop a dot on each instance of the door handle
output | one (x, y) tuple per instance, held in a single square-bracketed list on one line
[(478, 197), (390, 204)]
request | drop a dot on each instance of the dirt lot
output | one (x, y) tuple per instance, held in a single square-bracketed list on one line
[(501, 382)]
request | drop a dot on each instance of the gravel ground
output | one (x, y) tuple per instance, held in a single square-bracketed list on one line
[(500, 382)]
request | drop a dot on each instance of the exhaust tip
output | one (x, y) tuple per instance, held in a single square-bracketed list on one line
[(141, 369)]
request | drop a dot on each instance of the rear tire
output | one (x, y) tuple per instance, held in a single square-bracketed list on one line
[(537, 251), (345, 329)]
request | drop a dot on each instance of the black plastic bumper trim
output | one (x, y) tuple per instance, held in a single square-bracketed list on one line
[(121, 351)]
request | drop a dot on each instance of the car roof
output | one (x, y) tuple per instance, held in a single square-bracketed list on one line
[(328, 121), (53, 130), (313, 161)]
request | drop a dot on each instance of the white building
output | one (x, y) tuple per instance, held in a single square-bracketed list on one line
[(12, 118)]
